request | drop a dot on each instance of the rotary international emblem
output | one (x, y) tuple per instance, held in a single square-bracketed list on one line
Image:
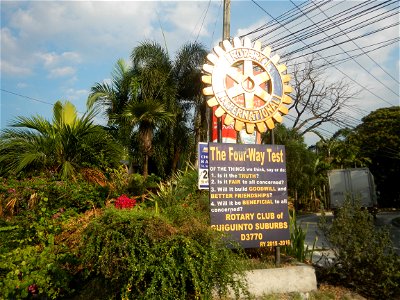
[(246, 85)]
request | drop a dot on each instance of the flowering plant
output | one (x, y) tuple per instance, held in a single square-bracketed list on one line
[(124, 201)]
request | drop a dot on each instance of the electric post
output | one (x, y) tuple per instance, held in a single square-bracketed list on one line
[(226, 28)]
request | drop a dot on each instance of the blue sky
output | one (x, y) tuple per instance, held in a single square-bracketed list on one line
[(57, 50)]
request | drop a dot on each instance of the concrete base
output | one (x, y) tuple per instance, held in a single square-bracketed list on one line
[(282, 280)]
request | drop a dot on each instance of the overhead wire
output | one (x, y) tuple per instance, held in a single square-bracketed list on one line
[(27, 97), (30, 98), (340, 71), (202, 22), (303, 28), (278, 26), (215, 25), (360, 48), (344, 51), (272, 22), (354, 120), (341, 60), (309, 31), (339, 34)]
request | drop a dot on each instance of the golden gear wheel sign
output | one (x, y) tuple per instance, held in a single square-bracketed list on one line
[(246, 85)]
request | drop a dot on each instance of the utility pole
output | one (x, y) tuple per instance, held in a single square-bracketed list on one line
[(226, 27), (226, 34)]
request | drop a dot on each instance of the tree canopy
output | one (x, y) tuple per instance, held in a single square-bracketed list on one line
[(378, 137), (150, 105)]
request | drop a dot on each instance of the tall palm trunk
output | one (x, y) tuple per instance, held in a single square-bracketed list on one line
[(146, 166), (147, 147)]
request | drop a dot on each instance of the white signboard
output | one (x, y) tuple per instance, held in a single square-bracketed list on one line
[(203, 165)]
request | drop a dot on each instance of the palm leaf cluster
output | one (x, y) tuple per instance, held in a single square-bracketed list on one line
[(155, 106), (63, 146)]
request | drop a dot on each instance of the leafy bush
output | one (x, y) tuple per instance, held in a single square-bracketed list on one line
[(36, 227), (34, 270), (145, 256), (31, 263), (364, 258), (181, 189), (17, 196), (138, 185)]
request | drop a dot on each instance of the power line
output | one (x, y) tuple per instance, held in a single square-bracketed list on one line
[(341, 60), (340, 18), (377, 79), (321, 41), (303, 28), (345, 116), (202, 22), (358, 46), (308, 46), (27, 97), (286, 15)]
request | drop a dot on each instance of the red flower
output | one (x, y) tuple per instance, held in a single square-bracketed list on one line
[(124, 201)]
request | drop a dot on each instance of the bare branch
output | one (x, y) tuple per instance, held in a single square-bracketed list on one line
[(316, 98)]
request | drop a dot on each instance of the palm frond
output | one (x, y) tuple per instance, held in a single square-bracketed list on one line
[(67, 170)]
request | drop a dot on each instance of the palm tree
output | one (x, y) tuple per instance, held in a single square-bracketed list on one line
[(154, 106), (191, 126), (187, 72), (147, 116), (190, 109), (166, 89), (113, 98), (62, 146)]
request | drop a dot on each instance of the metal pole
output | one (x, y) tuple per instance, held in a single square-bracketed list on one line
[(226, 28), (277, 256), (272, 137), (277, 248)]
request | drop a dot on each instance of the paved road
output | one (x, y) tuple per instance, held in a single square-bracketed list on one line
[(310, 222)]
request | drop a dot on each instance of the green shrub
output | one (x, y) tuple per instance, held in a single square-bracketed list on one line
[(34, 271), (364, 258), (146, 256), (18, 196), (138, 185), (32, 227), (31, 264), (181, 189)]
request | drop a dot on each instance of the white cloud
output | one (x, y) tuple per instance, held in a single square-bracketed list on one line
[(76, 94), (191, 17), (60, 34), (62, 72), (12, 63), (80, 30), (22, 85), (51, 59), (8, 68), (67, 40)]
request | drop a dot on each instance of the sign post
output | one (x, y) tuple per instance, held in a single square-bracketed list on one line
[(248, 194), (246, 88)]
